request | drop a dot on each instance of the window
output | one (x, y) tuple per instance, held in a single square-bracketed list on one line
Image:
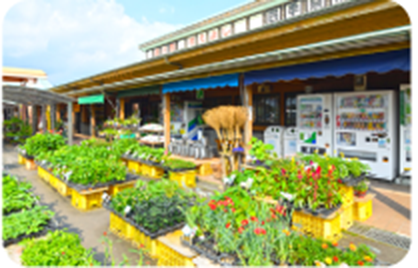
[(290, 109), (267, 109)]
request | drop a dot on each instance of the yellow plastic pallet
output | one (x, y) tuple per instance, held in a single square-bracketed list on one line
[(114, 189), (363, 208), (62, 187), (205, 169), (21, 160), (172, 253), (42, 173), (347, 217), (317, 227), (347, 194), (134, 166), (53, 181), (30, 164), (87, 200), (118, 226), (184, 179), (138, 238), (152, 172)]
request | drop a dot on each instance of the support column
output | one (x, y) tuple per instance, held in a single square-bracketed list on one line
[(122, 109), (58, 112), (52, 115), (166, 114), (48, 117), (248, 93), (92, 120), (43, 118), (34, 119), (70, 123)]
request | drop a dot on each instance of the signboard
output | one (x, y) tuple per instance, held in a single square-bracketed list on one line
[(256, 21), (240, 26), (202, 38), (314, 5), (293, 9), (288, 10), (200, 94), (226, 30), (213, 35), (273, 15), (191, 41)]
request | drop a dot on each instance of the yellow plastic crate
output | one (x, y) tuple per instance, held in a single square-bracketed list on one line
[(30, 164), (347, 194), (347, 217), (42, 173), (151, 171), (62, 187), (172, 253), (139, 238), (114, 189), (363, 208), (87, 200), (53, 181), (21, 160), (328, 229), (184, 179), (205, 169), (118, 226), (134, 166)]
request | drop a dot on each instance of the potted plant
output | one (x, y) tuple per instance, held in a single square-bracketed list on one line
[(360, 190)]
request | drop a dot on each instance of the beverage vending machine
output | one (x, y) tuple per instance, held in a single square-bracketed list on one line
[(314, 123), (366, 128), (405, 161)]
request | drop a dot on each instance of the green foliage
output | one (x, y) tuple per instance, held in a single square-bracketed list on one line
[(156, 205), (120, 146), (17, 129), (178, 164), (262, 151), (41, 143), (59, 248), (147, 153), (26, 222), (16, 196)]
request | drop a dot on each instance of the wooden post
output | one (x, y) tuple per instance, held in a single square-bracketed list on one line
[(43, 118), (166, 114), (70, 123), (58, 112), (249, 124), (52, 116), (122, 109), (92, 121)]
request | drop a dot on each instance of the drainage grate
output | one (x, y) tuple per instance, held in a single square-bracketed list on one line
[(393, 239)]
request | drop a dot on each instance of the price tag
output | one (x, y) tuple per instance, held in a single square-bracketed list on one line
[(105, 196), (250, 182), (127, 209), (187, 231), (67, 175), (287, 196)]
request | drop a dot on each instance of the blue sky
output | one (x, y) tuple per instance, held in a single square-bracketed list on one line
[(73, 39)]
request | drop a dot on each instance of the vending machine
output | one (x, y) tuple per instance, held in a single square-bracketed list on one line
[(314, 123), (405, 161), (289, 142), (274, 135), (366, 129)]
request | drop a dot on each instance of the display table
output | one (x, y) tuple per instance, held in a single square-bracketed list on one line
[(204, 166)]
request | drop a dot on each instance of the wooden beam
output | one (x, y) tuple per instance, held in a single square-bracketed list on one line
[(92, 121), (166, 114), (122, 109), (248, 133)]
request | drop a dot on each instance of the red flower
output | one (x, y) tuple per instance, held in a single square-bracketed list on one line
[(272, 210), (335, 259), (63, 253), (225, 210), (240, 230), (262, 223), (104, 233), (273, 216), (360, 263), (263, 231), (254, 218), (340, 181), (283, 172), (257, 231), (244, 222), (227, 225), (212, 206), (233, 209)]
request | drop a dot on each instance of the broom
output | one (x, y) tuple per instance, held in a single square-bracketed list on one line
[(241, 116)]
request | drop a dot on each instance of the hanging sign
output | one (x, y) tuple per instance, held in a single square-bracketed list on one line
[(200, 95)]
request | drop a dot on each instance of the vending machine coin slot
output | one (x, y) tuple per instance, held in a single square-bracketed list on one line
[(385, 159)]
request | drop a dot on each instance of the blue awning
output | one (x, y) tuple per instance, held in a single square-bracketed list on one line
[(379, 63), (230, 80)]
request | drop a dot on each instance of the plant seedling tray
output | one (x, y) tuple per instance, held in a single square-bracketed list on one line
[(172, 252)]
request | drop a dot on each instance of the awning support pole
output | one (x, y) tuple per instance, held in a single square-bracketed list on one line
[(166, 114), (70, 125), (92, 121)]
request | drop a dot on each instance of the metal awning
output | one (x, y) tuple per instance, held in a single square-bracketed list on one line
[(378, 38), (137, 92), (230, 80), (33, 96)]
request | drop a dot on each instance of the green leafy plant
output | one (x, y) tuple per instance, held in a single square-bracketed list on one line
[(16, 195), (26, 222), (178, 164), (261, 151), (16, 130), (41, 143), (59, 248)]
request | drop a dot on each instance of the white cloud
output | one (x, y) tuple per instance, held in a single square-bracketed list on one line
[(75, 35)]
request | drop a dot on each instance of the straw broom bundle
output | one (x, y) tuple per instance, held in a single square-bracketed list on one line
[(241, 116), (211, 118)]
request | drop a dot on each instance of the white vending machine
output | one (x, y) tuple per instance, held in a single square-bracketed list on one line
[(314, 124), (366, 128), (274, 135), (405, 161), (289, 142)]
